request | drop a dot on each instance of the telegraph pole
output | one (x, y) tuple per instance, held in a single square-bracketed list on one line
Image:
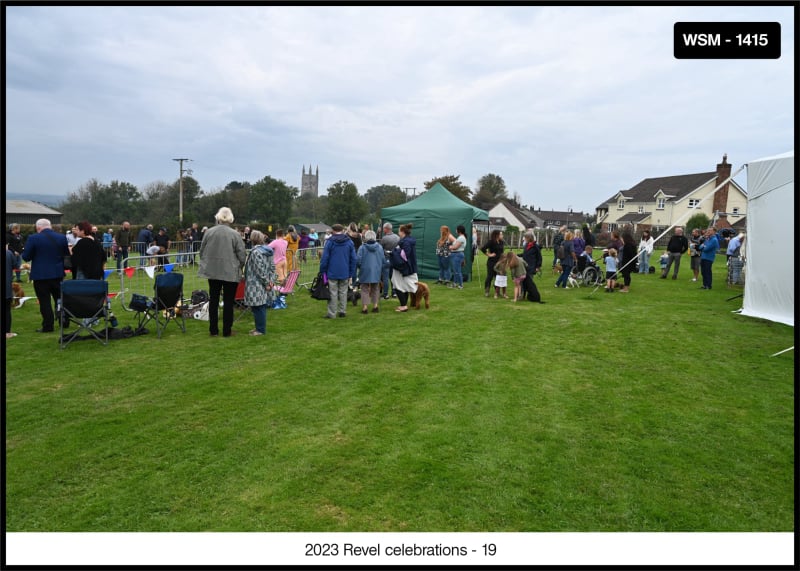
[(180, 196)]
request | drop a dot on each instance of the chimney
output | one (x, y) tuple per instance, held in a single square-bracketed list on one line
[(721, 197)]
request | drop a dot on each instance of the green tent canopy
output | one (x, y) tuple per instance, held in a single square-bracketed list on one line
[(435, 208)]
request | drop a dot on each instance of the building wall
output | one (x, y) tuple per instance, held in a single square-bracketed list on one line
[(500, 211), (678, 211), (309, 183)]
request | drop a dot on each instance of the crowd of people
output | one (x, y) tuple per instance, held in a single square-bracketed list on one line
[(623, 257), (383, 266)]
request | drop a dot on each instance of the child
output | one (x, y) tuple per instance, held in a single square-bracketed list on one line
[(611, 270), (519, 269), (501, 279), (664, 260)]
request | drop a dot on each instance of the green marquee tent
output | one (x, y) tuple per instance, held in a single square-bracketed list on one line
[(435, 208)]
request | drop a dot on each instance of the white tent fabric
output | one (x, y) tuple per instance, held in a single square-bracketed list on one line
[(769, 246)]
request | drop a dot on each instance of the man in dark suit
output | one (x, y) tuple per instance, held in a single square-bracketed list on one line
[(45, 250)]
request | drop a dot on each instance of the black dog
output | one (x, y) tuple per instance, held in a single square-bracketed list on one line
[(530, 291), (353, 295)]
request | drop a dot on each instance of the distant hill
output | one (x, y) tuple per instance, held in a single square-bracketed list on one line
[(50, 200)]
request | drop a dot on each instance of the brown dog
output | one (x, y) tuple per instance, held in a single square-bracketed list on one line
[(19, 293), (423, 291)]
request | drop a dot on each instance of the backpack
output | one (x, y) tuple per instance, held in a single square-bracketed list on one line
[(399, 261), (561, 252)]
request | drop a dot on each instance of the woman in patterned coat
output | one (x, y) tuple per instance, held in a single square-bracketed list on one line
[(259, 281)]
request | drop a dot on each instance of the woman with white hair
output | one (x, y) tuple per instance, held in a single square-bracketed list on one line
[(222, 256)]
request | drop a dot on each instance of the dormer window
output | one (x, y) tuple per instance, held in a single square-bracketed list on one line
[(621, 204), (660, 203)]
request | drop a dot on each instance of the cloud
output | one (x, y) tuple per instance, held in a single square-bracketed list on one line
[(559, 101)]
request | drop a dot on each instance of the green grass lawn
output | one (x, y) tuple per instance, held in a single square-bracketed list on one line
[(656, 410)]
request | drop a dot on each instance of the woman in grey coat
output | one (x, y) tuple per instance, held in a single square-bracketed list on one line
[(259, 281), (222, 256)]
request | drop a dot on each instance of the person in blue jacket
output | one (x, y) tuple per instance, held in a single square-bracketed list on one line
[(338, 263), (369, 260), (45, 250), (708, 251)]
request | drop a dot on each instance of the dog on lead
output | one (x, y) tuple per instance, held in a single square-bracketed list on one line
[(423, 291)]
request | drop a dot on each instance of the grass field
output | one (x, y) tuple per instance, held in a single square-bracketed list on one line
[(656, 410)]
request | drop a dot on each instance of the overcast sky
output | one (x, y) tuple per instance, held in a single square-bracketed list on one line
[(567, 104)]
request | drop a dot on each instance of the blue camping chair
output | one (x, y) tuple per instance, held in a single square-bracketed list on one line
[(85, 303)]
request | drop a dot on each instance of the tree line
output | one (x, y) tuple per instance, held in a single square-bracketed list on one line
[(268, 201)]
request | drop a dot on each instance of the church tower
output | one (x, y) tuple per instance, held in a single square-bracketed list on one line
[(310, 182)]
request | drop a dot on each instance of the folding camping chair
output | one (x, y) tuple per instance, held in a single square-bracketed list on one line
[(288, 284), (169, 301), (85, 303), (166, 305), (238, 301)]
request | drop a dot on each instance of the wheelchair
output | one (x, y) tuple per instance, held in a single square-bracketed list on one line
[(590, 275)]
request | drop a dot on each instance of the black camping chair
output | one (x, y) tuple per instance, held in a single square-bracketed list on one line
[(85, 303), (167, 303)]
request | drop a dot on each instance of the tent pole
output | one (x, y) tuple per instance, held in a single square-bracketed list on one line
[(784, 351), (712, 193)]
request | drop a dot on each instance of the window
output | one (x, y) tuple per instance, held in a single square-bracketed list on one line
[(611, 226), (736, 211), (660, 204), (693, 202), (621, 204), (640, 210)]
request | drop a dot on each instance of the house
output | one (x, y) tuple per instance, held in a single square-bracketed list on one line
[(29, 211), (505, 213), (659, 203), (555, 219)]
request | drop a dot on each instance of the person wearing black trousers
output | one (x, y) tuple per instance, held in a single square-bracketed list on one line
[(493, 249), (628, 254)]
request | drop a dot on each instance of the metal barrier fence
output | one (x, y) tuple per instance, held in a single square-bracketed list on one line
[(307, 261), (137, 274)]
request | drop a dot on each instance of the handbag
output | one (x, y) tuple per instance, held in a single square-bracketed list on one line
[(140, 302), (320, 288), (278, 303)]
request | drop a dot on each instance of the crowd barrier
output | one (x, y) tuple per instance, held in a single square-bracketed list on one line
[(138, 276)]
